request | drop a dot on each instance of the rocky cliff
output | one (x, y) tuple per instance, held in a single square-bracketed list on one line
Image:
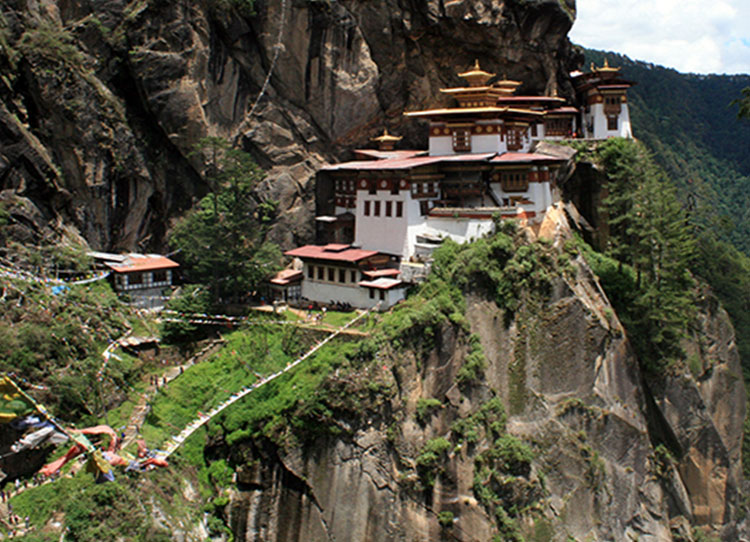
[(102, 101), (556, 436)]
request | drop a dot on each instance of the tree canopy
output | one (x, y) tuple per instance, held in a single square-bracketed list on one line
[(650, 240), (222, 239), (744, 104)]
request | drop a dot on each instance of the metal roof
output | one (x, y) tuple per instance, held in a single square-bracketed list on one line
[(142, 262), (381, 283), (317, 252), (408, 163), (525, 157)]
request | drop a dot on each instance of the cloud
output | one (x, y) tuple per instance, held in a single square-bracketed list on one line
[(688, 35)]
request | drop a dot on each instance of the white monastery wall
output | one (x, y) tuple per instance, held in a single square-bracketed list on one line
[(441, 145), (487, 143), (382, 233)]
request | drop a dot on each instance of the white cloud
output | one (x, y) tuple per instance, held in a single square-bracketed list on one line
[(688, 35)]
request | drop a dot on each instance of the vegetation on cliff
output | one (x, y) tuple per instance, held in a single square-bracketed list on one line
[(687, 122), (222, 240)]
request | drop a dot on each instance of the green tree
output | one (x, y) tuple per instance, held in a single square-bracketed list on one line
[(652, 242), (222, 238), (743, 104)]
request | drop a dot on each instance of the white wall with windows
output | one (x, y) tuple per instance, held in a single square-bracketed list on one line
[(599, 125), (381, 220), (141, 280)]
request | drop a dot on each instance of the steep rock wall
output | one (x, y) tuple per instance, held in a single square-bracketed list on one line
[(112, 95), (573, 392)]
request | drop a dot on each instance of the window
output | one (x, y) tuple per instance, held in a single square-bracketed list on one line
[(135, 278), (388, 208), (367, 208), (612, 122), (353, 276), (533, 130), (331, 274), (321, 273), (376, 212), (515, 138), (399, 208), (342, 275), (394, 187), (382, 295), (160, 276), (311, 272), (373, 186), (515, 181), (558, 126), (462, 140), (424, 207), (372, 293)]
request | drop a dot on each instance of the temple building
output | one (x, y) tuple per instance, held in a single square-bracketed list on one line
[(380, 216), (603, 95)]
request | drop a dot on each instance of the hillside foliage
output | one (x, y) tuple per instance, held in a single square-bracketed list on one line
[(690, 125)]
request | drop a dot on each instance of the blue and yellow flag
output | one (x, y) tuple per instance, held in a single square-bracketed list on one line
[(13, 402)]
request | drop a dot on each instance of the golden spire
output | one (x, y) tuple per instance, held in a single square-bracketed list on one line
[(476, 77), (387, 141)]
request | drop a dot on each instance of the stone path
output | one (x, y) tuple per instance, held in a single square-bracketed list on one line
[(141, 410), (175, 442)]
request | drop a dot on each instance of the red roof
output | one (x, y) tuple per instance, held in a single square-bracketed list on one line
[(142, 262), (286, 276), (525, 157), (566, 109), (408, 163), (382, 155), (530, 99), (375, 273), (316, 252)]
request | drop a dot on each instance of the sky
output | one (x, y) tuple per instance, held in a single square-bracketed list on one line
[(696, 36)]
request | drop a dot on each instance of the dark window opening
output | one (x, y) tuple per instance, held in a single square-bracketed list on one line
[(388, 208), (367, 208), (376, 212), (382, 295), (321, 273), (331, 274), (342, 275), (399, 208), (311, 272)]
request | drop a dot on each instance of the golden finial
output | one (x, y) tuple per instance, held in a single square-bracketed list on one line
[(386, 141), (606, 64)]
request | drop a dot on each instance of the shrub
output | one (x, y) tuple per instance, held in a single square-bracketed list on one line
[(426, 407)]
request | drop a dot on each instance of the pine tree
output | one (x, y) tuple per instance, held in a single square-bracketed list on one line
[(650, 234), (222, 239)]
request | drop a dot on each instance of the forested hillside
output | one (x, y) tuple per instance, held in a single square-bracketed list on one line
[(688, 123)]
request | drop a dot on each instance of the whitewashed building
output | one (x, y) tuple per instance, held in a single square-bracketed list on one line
[(482, 164)]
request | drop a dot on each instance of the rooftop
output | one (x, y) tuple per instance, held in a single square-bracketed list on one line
[(142, 262), (381, 283), (332, 252), (286, 276)]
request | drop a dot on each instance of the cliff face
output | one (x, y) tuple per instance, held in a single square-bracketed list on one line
[(616, 456), (104, 100)]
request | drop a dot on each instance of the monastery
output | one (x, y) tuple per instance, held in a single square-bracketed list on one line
[(380, 216)]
